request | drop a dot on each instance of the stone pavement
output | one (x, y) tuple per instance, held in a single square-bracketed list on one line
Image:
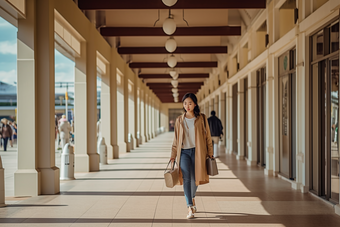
[(130, 191)]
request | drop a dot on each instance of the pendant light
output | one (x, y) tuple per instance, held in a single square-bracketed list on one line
[(169, 25), (171, 45), (169, 2), (174, 83), (172, 61)]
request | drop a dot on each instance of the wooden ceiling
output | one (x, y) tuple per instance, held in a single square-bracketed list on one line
[(203, 28)]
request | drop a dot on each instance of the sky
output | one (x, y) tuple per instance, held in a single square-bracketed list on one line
[(64, 67)]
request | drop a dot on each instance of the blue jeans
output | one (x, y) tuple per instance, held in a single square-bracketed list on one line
[(187, 165)]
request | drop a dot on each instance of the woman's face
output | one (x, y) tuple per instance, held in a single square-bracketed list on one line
[(189, 105)]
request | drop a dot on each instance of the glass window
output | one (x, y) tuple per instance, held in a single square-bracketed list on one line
[(284, 63), (334, 37), (317, 42)]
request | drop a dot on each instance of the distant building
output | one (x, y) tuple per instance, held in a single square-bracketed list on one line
[(8, 101)]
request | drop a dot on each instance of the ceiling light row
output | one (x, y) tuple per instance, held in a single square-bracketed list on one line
[(169, 28)]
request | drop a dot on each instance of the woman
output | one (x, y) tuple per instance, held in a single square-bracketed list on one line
[(191, 146)]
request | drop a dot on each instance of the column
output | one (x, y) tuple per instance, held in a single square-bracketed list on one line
[(37, 173), (85, 108), (240, 119), (126, 108), (109, 113), (211, 107), (229, 111), (147, 119), (150, 118), (222, 115), (136, 107), (216, 106), (270, 124), (302, 181), (252, 120), (142, 117)]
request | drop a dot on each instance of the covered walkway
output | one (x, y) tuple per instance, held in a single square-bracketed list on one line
[(130, 191)]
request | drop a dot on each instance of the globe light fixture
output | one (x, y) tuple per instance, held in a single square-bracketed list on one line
[(172, 61), (175, 77), (172, 72), (174, 83), (169, 2), (171, 45), (175, 95), (169, 25), (175, 90)]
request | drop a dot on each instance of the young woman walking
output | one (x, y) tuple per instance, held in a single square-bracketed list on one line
[(191, 146)]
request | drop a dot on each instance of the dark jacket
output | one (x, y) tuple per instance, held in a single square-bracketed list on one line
[(6, 131), (215, 125)]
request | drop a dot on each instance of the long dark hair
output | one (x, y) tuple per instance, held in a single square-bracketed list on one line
[(194, 99)]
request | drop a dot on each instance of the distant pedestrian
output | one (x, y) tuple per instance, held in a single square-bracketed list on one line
[(216, 130), (15, 132), (64, 130), (11, 137), (6, 132)]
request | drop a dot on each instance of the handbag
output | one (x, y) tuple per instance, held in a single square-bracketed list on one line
[(171, 175), (211, 166)]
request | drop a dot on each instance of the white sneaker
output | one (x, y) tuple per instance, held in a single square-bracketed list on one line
[(191, 213)]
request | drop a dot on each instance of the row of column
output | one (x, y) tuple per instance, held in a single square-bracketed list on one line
[(37, 173)]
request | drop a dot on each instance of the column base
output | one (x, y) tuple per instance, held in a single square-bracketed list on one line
[(94, 162), (239, 157), (298, 186), (141, 139), (131, 146), (115, 151), (122, 147), (137, 142), (110, 153), (81, 163), (337, 209), (50, 183), (27, 182), (268, 172), (251, 163), (2, 187)]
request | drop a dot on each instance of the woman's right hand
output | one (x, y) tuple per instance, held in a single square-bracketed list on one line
[(172, 159)]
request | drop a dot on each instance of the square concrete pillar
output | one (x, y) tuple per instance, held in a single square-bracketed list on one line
[(240, 119), (143, 136), (85, 108), (270, 123), (222, 114), (229, 130), (252, 120), (109, 113), (37, 173)]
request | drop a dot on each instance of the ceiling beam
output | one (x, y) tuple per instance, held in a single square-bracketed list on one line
[(157, 4), (202, 64), (167, 76), (179, 50), (181, 31), (166, 90), (180, 85)]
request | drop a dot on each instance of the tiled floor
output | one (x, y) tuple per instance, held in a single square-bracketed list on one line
[(130, 191)]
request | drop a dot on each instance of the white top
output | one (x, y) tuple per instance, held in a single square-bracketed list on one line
[(189, 133)]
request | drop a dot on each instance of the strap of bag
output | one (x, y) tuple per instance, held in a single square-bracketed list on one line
[(173, 167)]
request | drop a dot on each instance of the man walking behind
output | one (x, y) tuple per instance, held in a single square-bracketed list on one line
[(216, 130)]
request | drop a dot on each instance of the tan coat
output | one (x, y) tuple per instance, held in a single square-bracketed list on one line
[(203, 147)]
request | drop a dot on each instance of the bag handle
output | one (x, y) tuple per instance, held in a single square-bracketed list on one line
[(173, 167)]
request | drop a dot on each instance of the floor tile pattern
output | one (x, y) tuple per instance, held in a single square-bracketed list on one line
[(130, 191)]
